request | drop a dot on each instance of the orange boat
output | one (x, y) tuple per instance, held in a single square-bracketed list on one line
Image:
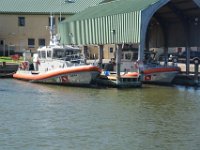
[(159, 73), (58, 67), (152, 71)]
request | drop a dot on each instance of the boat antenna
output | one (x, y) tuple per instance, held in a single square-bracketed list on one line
[(53, 39), (51, 29)]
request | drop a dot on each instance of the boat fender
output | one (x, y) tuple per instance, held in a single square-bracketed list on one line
[(38, 62), (139, 65), (106, 73), (136, 65), (24, 65)]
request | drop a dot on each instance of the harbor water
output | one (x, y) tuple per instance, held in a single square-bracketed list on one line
[(51, 117)]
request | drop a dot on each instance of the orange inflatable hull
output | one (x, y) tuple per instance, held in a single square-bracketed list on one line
[(55, 73)]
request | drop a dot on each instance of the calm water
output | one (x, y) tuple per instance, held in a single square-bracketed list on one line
[(49, 117)]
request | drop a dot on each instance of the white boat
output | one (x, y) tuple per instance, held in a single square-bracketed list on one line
[(57, 64), (151, 71), (159, 74), (129, 76)]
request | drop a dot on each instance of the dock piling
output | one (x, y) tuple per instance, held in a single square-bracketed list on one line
[(118, 61), (196, 70)]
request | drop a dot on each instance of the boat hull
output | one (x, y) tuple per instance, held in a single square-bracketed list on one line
[(160, 75), (69, 76)]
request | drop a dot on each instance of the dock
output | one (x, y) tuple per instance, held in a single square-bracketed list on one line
[(187, 79), (7, 69)]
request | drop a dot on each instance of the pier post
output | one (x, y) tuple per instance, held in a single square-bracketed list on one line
[(187, 60), (100, 56), (166, 56), (118, 61), (85, 52), (196, 70)]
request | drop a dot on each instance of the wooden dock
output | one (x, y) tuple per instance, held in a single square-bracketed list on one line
[(7, 69), (188, 80)]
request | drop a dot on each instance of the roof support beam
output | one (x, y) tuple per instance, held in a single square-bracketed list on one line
[(182, 2), (100, 55), (177, 11), (184, 19), (164, 27)]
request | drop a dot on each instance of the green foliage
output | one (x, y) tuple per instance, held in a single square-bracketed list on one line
[(9, 60)]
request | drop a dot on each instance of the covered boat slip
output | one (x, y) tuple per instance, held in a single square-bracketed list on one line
[(146, 24)]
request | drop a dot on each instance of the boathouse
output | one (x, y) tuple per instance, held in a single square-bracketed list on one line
[(144, 23)]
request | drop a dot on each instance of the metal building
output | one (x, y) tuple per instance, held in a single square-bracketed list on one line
[(171, 23)]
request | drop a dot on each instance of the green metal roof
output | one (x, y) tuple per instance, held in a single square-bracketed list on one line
[(105, 1), (45, 6), (112, 8), (95, 25)]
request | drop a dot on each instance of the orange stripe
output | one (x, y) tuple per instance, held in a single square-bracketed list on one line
[(153, 70), (56, 73), (132, 74)]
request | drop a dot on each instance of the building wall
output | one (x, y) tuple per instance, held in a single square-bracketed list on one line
[(108, 51), (16, 37)]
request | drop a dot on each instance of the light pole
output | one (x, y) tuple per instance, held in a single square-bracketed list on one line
[(60, 9), (4, 48)]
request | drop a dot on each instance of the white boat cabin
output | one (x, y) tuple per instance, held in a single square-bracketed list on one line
[(56, 57), (129, 60)]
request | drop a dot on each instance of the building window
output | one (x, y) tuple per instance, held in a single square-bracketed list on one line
[(31, 43), (62, 18), (128, 56), (41, 42), (54, 21), (111, 50), (49, 54), (43, 54), (1, 42), (21, 21)]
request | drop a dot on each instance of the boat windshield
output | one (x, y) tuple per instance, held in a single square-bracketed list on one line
[(58, 53), (66, 54)]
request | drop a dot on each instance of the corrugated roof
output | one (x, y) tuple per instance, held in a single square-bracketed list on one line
[(112, 8), (45, 6), (112, 22)]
